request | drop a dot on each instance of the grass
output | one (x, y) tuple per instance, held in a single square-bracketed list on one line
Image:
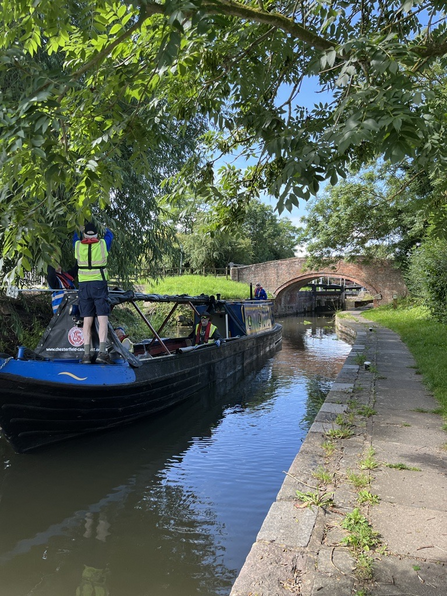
[(425, 338), (369, 462), (358, 480), (194, 285), (364, 496), (402, 467), (361, 539), (339, 433), (318, 499), (360, 359), (329, 447), (424, 411), (345, 420), (322, 475), (366, 411)]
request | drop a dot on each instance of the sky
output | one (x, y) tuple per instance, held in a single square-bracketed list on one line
[(307, 98)]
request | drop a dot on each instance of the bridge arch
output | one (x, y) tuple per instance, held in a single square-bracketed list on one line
[(380, 277), (303, 280), (289, 299)]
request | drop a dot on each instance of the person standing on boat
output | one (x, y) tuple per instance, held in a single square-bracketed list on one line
[(260, 293), (205, 332), (91, 254), (60, 281)]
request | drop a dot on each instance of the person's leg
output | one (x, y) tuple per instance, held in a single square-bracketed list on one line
[(103, 357), (87, 332), (87, 312), (102, 308), (102, 331)]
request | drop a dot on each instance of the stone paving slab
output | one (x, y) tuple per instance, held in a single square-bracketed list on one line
[(425, 457), (408, 488), (333, 408), (287, 525), (412, 531), (344, 387), (323, 427), (393, 429), (270, 571), (395, 576)]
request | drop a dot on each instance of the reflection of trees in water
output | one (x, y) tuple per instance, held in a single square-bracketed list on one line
[(260, 389), (187, 535), (145, 532), (317, 389), (105, 517)]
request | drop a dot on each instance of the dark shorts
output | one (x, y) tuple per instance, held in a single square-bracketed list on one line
[(93, 299)]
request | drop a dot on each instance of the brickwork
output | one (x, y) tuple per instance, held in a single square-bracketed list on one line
[(286, 277)]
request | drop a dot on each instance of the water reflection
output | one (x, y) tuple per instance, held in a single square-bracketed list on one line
[(170, 505)]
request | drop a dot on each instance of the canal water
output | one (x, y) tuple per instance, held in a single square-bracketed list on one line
[(171, 505)]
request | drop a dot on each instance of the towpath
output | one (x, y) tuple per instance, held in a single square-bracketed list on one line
[(393, 456)]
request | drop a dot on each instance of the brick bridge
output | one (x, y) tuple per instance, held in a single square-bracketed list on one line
[(284, 278)]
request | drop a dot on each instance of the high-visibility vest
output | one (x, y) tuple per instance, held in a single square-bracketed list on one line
[(92, 260), (210, 329)]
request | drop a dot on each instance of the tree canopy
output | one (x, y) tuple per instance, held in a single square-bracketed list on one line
[(80, 80), (379, 213), (262, 236)]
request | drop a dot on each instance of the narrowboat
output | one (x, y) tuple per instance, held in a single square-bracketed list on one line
[(48, 395)]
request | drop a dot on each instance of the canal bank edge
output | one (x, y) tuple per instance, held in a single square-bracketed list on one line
[(380, 447)]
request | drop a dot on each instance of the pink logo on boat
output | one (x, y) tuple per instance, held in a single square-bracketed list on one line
[(76, 337)]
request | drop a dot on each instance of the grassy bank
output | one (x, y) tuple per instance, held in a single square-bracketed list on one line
[(194, 285), (425, 338)]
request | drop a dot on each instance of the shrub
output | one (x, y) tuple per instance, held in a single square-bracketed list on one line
[(426, 277)]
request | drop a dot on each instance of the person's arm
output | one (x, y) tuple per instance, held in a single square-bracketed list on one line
[(52, 278), (75, 238), (73, 271), (108, 237), (216, 336)]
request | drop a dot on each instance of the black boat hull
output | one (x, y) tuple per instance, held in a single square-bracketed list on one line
[(46, 402)]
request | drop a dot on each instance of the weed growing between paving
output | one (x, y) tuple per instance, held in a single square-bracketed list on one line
[(361, 539), (401, 466), (323, 476), (364, 497), (316, 498), (358, 480), (339, 433), (366, 411), (329, 448), (369, 462), (360, 359)]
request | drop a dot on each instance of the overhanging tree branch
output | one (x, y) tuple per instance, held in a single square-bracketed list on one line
[(257, 15)]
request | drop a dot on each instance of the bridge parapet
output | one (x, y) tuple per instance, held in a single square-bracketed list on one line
[(380, 277)]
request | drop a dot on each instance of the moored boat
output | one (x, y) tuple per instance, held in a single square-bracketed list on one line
[(48, 395)]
